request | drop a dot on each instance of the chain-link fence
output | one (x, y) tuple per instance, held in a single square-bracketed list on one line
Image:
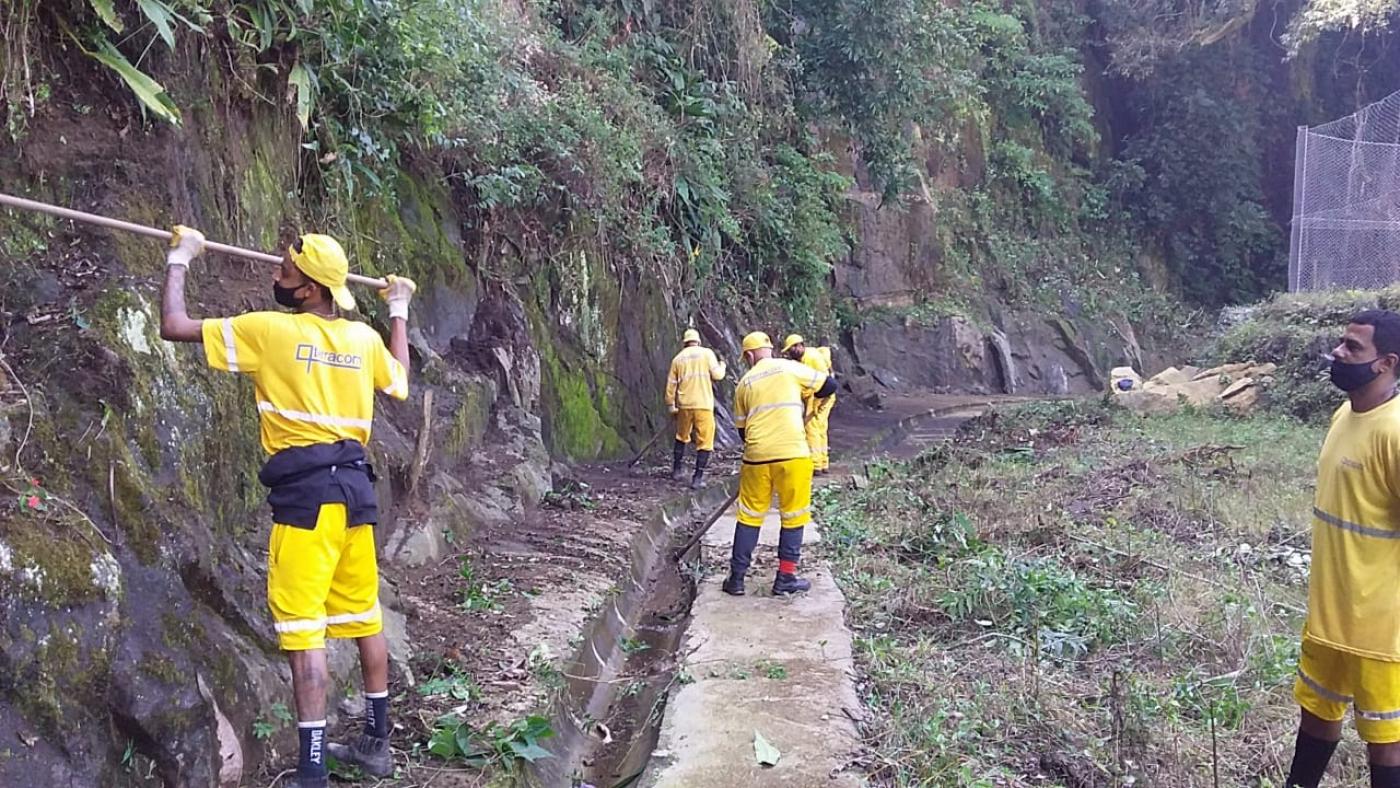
[(1346, 202)]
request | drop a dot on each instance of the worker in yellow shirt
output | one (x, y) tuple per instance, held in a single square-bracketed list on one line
[(1351, 638), (818, 411), (314, 375), (768, 407), (690, 397)]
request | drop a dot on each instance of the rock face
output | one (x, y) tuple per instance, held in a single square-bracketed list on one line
[(132, 610), (1024, 355), (901, 343)]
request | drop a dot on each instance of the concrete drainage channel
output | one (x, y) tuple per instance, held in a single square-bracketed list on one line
[(607, 716)]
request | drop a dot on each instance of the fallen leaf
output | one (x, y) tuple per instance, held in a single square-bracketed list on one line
[(766, 754)]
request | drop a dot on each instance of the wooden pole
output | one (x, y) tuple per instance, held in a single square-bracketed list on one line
[(155, 232)]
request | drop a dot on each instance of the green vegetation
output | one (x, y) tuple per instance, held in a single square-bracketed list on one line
[(495, 745), (1296, 331), (1083, 593)]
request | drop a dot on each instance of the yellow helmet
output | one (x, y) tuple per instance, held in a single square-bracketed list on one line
[(792, 339), (322, 259), (757, 340), (690, 335)]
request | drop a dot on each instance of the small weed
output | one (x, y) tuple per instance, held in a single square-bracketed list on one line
[(773, 670), (458, 686), (633, 645), (278, 718), (479, 596)]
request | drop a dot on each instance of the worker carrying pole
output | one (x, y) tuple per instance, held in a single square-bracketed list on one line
[(818, 411), (768, 408), (314, 374), (690, 397)]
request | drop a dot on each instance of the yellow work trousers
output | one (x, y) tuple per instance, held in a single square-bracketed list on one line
[(791, 480), (818, 419), (699, 422), (323, 581), (1329, 681)]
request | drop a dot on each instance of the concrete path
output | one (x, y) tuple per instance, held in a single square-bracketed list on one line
[(782, 666), (778, 666)]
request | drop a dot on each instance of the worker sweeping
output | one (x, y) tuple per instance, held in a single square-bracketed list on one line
[(314, 374), (690, 397), (768, 408), (818, 411)]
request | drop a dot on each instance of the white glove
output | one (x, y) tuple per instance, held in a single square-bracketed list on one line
[(186, 243), (398, 294)]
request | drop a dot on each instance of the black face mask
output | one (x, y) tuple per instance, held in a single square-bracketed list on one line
[(1351, 377), (287, 296)]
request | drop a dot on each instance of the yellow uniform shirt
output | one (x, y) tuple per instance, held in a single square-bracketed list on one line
[(818, 358), (315, 378), (1354, 589), (688, 386), (768, 407)]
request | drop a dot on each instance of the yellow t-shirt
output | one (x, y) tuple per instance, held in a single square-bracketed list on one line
[(688, 386), (768, 407), (818, 358), (1354, 589), (315, 378)]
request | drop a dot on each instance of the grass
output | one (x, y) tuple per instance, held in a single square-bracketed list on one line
[(1069, 595)]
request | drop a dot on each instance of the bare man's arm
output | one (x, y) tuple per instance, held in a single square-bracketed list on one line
[(398, 342), (175, 323)]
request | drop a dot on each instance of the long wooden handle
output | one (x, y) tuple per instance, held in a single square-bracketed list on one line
[(156, 232)]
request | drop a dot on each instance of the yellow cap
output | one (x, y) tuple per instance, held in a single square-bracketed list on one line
[(792, 339), (757, 340), (690, 335), (322, 259)]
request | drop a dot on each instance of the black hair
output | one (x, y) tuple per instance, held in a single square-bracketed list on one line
[(325, 291), (1386, 325)]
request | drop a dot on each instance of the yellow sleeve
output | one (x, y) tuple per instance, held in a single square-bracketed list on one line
[(809, 379), (389, 375), (235, 344), (717, 367), (741, 407), (673, 381)]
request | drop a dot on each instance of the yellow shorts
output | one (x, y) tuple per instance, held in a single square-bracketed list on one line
[(323, 581), (1330, 680), (701, 422), (790, 479)]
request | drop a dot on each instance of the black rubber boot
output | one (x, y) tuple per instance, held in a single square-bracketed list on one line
[(702, 459), (785, 583), (733, 585), (745, 540), (677, 459), (370, 753)]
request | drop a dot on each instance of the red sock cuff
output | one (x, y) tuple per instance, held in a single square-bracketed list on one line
[(787, 567)]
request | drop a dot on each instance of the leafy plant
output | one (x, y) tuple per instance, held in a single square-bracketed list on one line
[(453, 739)]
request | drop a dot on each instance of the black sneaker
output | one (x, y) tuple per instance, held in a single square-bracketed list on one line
[(370, 753), (697, 482), (786, 583), (734, 585), (677, 475)]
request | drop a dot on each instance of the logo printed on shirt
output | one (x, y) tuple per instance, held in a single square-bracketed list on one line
[(314, 355)]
